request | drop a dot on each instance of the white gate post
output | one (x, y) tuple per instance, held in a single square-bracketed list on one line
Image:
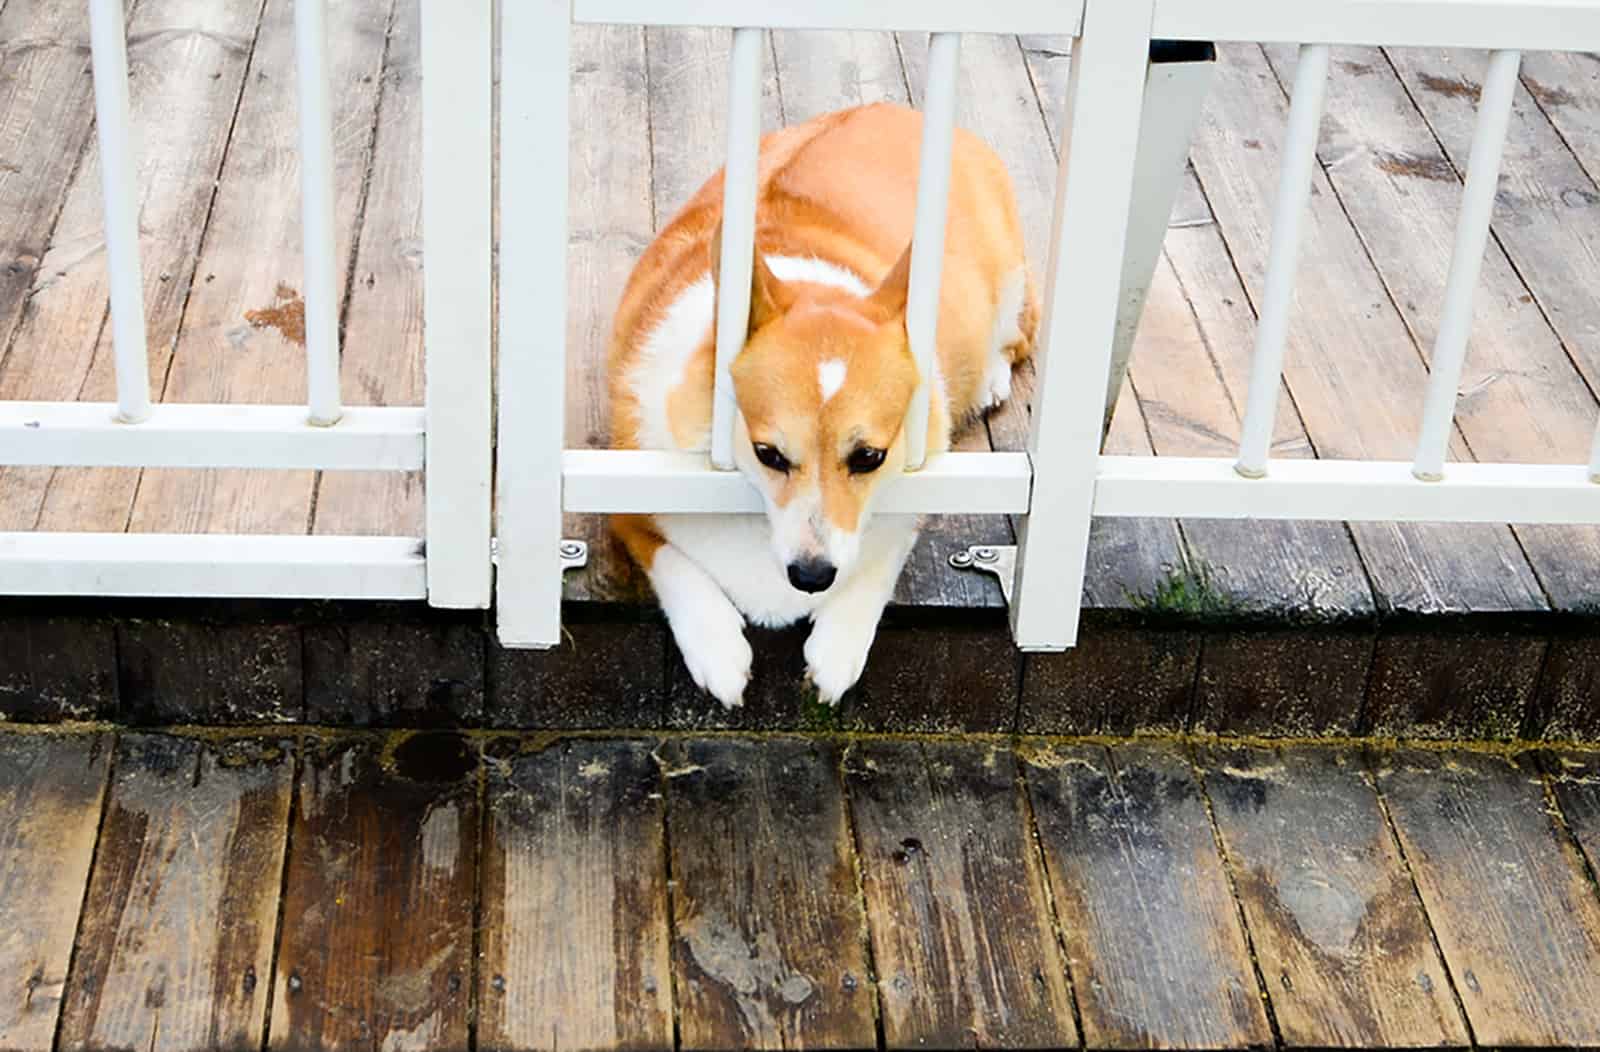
[(1175, 90), (1099, 146), (457, 212), (535, 38)]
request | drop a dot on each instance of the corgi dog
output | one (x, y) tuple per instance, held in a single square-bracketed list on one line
[(823, 383)]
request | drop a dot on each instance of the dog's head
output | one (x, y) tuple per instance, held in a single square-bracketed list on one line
[(823, 384)]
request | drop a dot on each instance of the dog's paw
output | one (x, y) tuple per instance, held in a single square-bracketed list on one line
[(718, 657), (836, 654), (996, 384)]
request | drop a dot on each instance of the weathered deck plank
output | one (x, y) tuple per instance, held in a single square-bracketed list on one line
[(1516, 917), (576, 949), (188, 63), (768, 925), (1575, 780), (243, 337), (1158, 957), (377, 941), (1337, 929), (963, 940), (175, 942), (51, 793)]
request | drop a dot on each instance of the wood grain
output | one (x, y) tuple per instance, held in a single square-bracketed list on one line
[(962, 936), (1152, 934), (177, 927), (376, 949), (187, 62), (1346, 340), (1340, 936), (1515, 915), (767, 920), (1575, 780), (253, 250), (51, 789), (382, 363), (575, 932)]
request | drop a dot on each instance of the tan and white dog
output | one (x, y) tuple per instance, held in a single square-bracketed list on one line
[(822, 384)]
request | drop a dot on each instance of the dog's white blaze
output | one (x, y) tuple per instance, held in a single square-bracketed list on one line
[(685, 325), (830, 377)]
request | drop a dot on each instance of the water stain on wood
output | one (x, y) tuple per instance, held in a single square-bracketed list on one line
[(287, 314), (1418, 166), (1547, 95), (1450, 87)]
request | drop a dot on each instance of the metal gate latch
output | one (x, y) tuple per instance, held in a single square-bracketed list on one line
[(999, 560)]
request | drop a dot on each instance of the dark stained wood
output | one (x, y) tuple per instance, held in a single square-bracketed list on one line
[(51, 788), (1575, 780), (963, 940), (1121, 677), (1515, 915), (1438, 679), (1153, 939), (1299, 681), (576, 949), (393, 670), (56, 668), (175, 942), (603, 674), (931, 679), (188, 62), (1566, 706), (376, 948), (221, 354), (1337, 929), (195, 671), (767, 919)]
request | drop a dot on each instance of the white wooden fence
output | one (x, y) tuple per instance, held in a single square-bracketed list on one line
[(1117, 175)]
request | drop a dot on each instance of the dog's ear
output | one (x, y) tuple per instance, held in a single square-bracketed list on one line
[(889, 298), (769, 297)]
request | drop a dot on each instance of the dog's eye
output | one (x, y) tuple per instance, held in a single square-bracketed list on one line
[(864, 460), (771, 458)]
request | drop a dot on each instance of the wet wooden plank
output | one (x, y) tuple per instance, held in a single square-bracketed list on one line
[(576, 948), (768, 924), (51, 789), (176, 936), (46, 109), (56, 667), (243, 330), (1515, 915), (962, 936), (188, 63), (1337, 929), (1575, 779), (1346, 339), (376, 948), (1158, 957), (382, 362)]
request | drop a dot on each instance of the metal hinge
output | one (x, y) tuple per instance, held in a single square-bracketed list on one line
[(574, 554), (998, 560)]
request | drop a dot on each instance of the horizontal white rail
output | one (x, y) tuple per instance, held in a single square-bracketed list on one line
[(62, 434), (886, 16), (1345, 490), (1527, 25), (212, 566), (612, 481)]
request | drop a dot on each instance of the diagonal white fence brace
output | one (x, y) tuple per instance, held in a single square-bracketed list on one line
[(534, 90), (1099, 143), (457, 215)]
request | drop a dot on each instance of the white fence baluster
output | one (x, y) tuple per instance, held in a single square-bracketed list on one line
[(1294, 191), (1594, 456), (1099, 141), (927, 242), (316, 211), (457, 211), (109, 54), (1466, 261), (535, 37), (738, 232)]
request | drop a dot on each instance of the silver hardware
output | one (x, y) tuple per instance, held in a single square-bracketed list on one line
[(997, 560)]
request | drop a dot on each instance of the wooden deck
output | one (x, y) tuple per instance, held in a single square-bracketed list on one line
[(213, 97), (440, 891)]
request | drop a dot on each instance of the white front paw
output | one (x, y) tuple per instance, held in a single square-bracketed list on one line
[(718, 657), (836, 655)]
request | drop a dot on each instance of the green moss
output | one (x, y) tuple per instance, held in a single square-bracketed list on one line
[(1190, 592)]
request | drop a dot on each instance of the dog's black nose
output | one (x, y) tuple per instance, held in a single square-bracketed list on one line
[(812, 575)]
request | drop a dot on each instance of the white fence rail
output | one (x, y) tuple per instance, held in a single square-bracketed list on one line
[(1123, 131)]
